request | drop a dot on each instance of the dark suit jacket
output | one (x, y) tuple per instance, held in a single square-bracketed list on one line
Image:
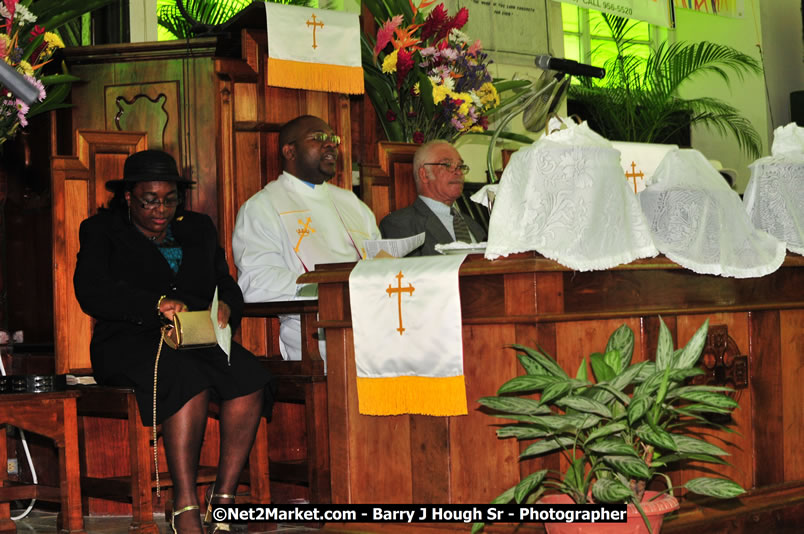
[(418, 218)]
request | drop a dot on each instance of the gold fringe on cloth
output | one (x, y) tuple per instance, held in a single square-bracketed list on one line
[(315, 76), (412, 394)]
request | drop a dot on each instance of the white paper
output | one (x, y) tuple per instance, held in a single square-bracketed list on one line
[(398, 248), (223, 335)]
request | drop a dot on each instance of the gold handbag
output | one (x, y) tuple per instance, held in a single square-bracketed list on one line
[(190, 330)]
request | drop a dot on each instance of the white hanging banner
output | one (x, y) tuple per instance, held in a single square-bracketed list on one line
[(658, 12), (727, 8)]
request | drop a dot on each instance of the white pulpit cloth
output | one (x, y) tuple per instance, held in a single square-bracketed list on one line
[(640, 160), (698, 222), (315, 49), (406, 319), (565, 197), (788, 139), (774, 198)]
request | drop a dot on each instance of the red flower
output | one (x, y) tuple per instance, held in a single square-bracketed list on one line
[(390, 116), (404, 64), (418, 137), (460, 19), (435, 20), (484, 122), (37, 31)]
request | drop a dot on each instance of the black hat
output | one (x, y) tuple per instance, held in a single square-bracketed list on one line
[(148, 166)]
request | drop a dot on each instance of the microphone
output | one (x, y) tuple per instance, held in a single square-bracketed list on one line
[(569, 66), (17, 84)]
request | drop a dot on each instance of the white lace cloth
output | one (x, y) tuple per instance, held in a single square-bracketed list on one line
[(774, 198), (565, 197), (697, 221), (788, 139)]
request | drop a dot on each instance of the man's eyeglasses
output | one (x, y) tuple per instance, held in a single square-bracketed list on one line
[(452, 166), (323, 137), (152, 204)]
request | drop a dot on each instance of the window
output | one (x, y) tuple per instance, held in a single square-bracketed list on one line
[(587, 38)]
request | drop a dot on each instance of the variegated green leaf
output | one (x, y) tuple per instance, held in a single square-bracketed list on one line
[(528, 484), (664, 348), (692, 445), (544, 360), (584, 404), (639, 405), (703, 408), (615, 447), (692, 350), (624, 379), (661, 461), (607, 430), (547, 445), (657, 437), (504, 497), (622, 340), (602, 371), (611, 491), (613, 360), (582, 375), (712, 389), (527, 383), (628, 465), (647, 370), (714, 487), (521, 432), (555, 391), (574, 476), (531, 366), (713, 399), (515, 405)]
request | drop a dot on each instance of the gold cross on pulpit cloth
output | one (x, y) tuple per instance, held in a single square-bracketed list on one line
[(314, 24), (634, 175), (303, 232), (399, 290)]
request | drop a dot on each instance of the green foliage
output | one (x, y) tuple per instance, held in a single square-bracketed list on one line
[(205, 14), (619, 428), (639, 100)]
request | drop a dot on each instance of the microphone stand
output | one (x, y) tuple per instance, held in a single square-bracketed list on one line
[(522, 103)]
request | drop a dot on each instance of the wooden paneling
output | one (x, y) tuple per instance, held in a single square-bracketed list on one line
[(792, 362)]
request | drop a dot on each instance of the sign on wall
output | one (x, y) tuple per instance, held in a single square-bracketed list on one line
[(727, 8), (657, 12)]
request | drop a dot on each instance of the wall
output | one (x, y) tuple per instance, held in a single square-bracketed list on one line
[(777, 28)]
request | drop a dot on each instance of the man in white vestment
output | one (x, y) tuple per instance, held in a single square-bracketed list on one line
[(298, 222), (438, 171)]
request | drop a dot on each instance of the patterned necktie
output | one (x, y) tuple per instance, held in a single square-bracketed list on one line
[(459, 225)]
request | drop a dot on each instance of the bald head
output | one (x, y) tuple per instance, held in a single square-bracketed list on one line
[(304, 155)]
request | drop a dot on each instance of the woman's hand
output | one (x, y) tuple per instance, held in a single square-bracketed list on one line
[(168, 307), (223, 314)]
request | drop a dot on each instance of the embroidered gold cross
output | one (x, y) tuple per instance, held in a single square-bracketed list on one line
[(303, 232), (313, 23), (633, 174), (399, 290)]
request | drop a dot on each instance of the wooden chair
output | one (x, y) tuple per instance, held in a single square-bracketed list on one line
[(78, 190)]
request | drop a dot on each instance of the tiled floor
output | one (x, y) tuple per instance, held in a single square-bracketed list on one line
[(43, 522)]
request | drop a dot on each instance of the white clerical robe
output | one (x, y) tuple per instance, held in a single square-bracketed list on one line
[(285, 230)]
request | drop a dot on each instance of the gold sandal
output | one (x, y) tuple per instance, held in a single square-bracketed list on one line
[(216, 526), (179, 512)]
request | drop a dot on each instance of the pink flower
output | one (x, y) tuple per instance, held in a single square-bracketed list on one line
[(404, 64), (475, 48), (385, 33), (460, 19), (434, 22)]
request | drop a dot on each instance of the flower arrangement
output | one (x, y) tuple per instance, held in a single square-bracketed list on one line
[(424, 76), (27, 48)]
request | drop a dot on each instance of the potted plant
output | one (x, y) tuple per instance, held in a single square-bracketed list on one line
[(619, 427), (639, 100)]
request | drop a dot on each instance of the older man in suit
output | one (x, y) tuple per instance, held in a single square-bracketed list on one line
[(439, 173)]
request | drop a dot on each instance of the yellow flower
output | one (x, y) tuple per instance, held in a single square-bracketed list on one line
[(389, 63), (416, 90), (467, 102), (440, 92), (53, 40), (476, 128), (488, 95), (25, 68)]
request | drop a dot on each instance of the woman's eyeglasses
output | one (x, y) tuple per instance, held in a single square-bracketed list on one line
[(152, 204), (452, 166)]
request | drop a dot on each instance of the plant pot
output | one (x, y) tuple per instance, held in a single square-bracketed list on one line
[(654, 510)]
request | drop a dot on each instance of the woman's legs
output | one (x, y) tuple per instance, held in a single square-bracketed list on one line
[(183, 433), (239, 419)]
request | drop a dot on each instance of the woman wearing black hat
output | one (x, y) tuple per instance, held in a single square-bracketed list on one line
[(141, 260)]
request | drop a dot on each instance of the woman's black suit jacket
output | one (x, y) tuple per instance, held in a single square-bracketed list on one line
[(120, 276)]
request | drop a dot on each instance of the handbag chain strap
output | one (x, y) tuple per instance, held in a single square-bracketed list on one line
[(156, 368)]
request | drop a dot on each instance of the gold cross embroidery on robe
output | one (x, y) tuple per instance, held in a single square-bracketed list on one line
[(304, 230), (633, 175), (399, 290), (315, 25)]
